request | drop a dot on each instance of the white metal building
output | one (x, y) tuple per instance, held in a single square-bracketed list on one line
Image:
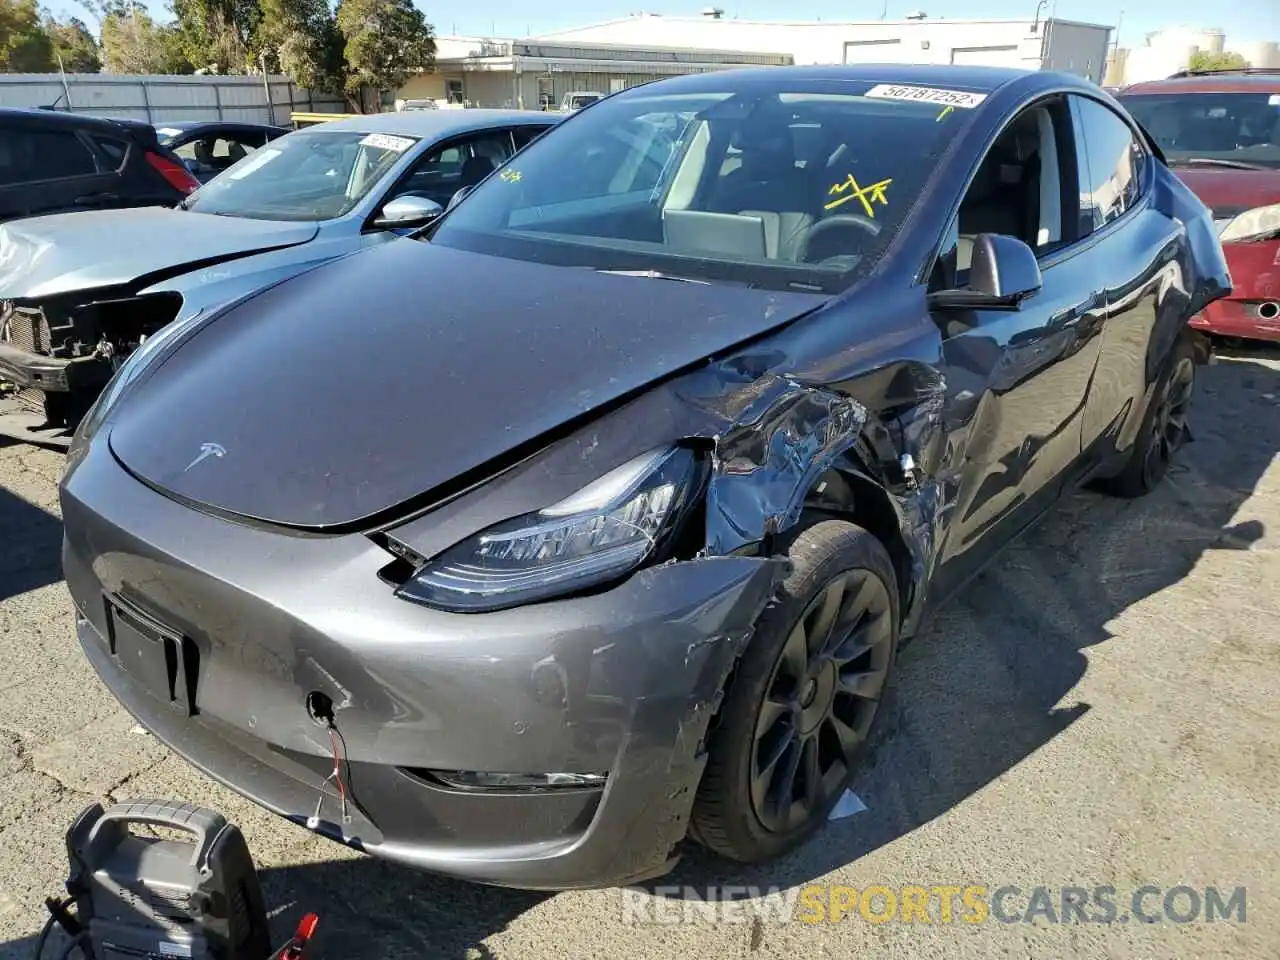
[(1032, 44), (535, 74)]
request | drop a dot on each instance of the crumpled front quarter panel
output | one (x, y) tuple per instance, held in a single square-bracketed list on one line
[(1207, 275)]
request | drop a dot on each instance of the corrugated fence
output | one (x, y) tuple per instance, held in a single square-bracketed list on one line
[(159, 99)]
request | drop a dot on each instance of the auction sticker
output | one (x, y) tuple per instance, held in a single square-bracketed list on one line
[(386, 142), (946, 98)]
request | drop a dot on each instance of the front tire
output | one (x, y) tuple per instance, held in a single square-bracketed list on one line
[(802, 703), (1164, 428)]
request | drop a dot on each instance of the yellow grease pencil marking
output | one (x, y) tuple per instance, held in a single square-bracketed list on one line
[(852, 191)]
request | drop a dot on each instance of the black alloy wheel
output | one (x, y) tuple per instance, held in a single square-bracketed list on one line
[(799, 708), (1164, 427), (1169, 422), (821, 700)]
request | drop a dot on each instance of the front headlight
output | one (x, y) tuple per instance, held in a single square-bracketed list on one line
[(1256, 224), (605, 530)]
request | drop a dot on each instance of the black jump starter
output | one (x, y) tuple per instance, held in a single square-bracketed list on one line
[(152, 897)]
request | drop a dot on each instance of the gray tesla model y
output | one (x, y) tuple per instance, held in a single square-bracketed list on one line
[(588, 519)]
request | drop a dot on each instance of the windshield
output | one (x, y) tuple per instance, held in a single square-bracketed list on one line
[(1235, 127), (307, 175), (779, 184)]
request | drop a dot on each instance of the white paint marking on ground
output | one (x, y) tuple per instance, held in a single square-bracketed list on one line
[(847, 806)]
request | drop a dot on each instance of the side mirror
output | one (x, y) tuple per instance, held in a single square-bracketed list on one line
[(457, 197), (1002, 273), (408, 211)]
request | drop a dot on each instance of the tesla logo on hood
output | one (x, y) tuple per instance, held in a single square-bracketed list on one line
[(207, 450)]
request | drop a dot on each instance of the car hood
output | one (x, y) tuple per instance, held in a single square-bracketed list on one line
[(1221, 189), (46, 256), (330, 399)]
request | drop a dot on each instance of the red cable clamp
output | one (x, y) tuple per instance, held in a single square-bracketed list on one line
[(293, 949)]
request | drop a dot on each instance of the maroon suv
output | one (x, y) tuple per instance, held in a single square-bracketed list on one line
[(1220, 132)]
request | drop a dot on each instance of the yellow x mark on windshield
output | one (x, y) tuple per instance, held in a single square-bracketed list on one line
[(852, 191)]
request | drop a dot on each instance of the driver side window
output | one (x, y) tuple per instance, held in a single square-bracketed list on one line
[(444, 170), (1025, 188)]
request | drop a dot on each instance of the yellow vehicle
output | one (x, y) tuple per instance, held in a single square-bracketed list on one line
[(301, 120)]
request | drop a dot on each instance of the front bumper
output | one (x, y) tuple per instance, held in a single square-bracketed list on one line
[(51, 374), (51, 392), (1255, 277), (623, 682), (34, 370)]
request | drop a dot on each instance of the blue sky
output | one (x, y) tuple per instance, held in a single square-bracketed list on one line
[(1241, 19)]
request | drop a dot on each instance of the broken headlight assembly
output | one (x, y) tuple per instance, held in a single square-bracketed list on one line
[(598, 535)]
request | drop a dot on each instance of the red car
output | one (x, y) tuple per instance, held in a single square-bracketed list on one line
[(1220, 132)]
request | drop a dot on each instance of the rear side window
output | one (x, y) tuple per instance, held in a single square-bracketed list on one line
[(526, 135), (1116, 163), (113, 151), (29, 156)]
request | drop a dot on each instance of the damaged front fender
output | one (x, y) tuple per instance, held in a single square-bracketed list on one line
[(769, 440), (774, 442)]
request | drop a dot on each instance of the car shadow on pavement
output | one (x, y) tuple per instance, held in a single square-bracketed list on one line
[(372, 909), (30, 545), (988, 680), (368, 910)]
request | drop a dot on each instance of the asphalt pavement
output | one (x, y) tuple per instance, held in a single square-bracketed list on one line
[(1099, 709)]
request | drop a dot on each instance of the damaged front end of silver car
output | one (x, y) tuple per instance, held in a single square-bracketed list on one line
[(57, 353)]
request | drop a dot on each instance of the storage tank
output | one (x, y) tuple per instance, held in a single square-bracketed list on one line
[(1180, 38), (1156, 61), (1167, 51), (1257, 53)]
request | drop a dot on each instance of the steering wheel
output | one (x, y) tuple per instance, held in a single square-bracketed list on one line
[(831, 226)]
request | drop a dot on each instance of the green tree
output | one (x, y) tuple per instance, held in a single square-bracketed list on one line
[(74, 46), (1208, 60), (218, 35), (132, 42), (25, 46), (386, 42), (300, 38)]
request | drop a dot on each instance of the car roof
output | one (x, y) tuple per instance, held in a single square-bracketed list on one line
[(975, 79), (1223, 82), (188, 125), (436, 123), (67, 119)]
